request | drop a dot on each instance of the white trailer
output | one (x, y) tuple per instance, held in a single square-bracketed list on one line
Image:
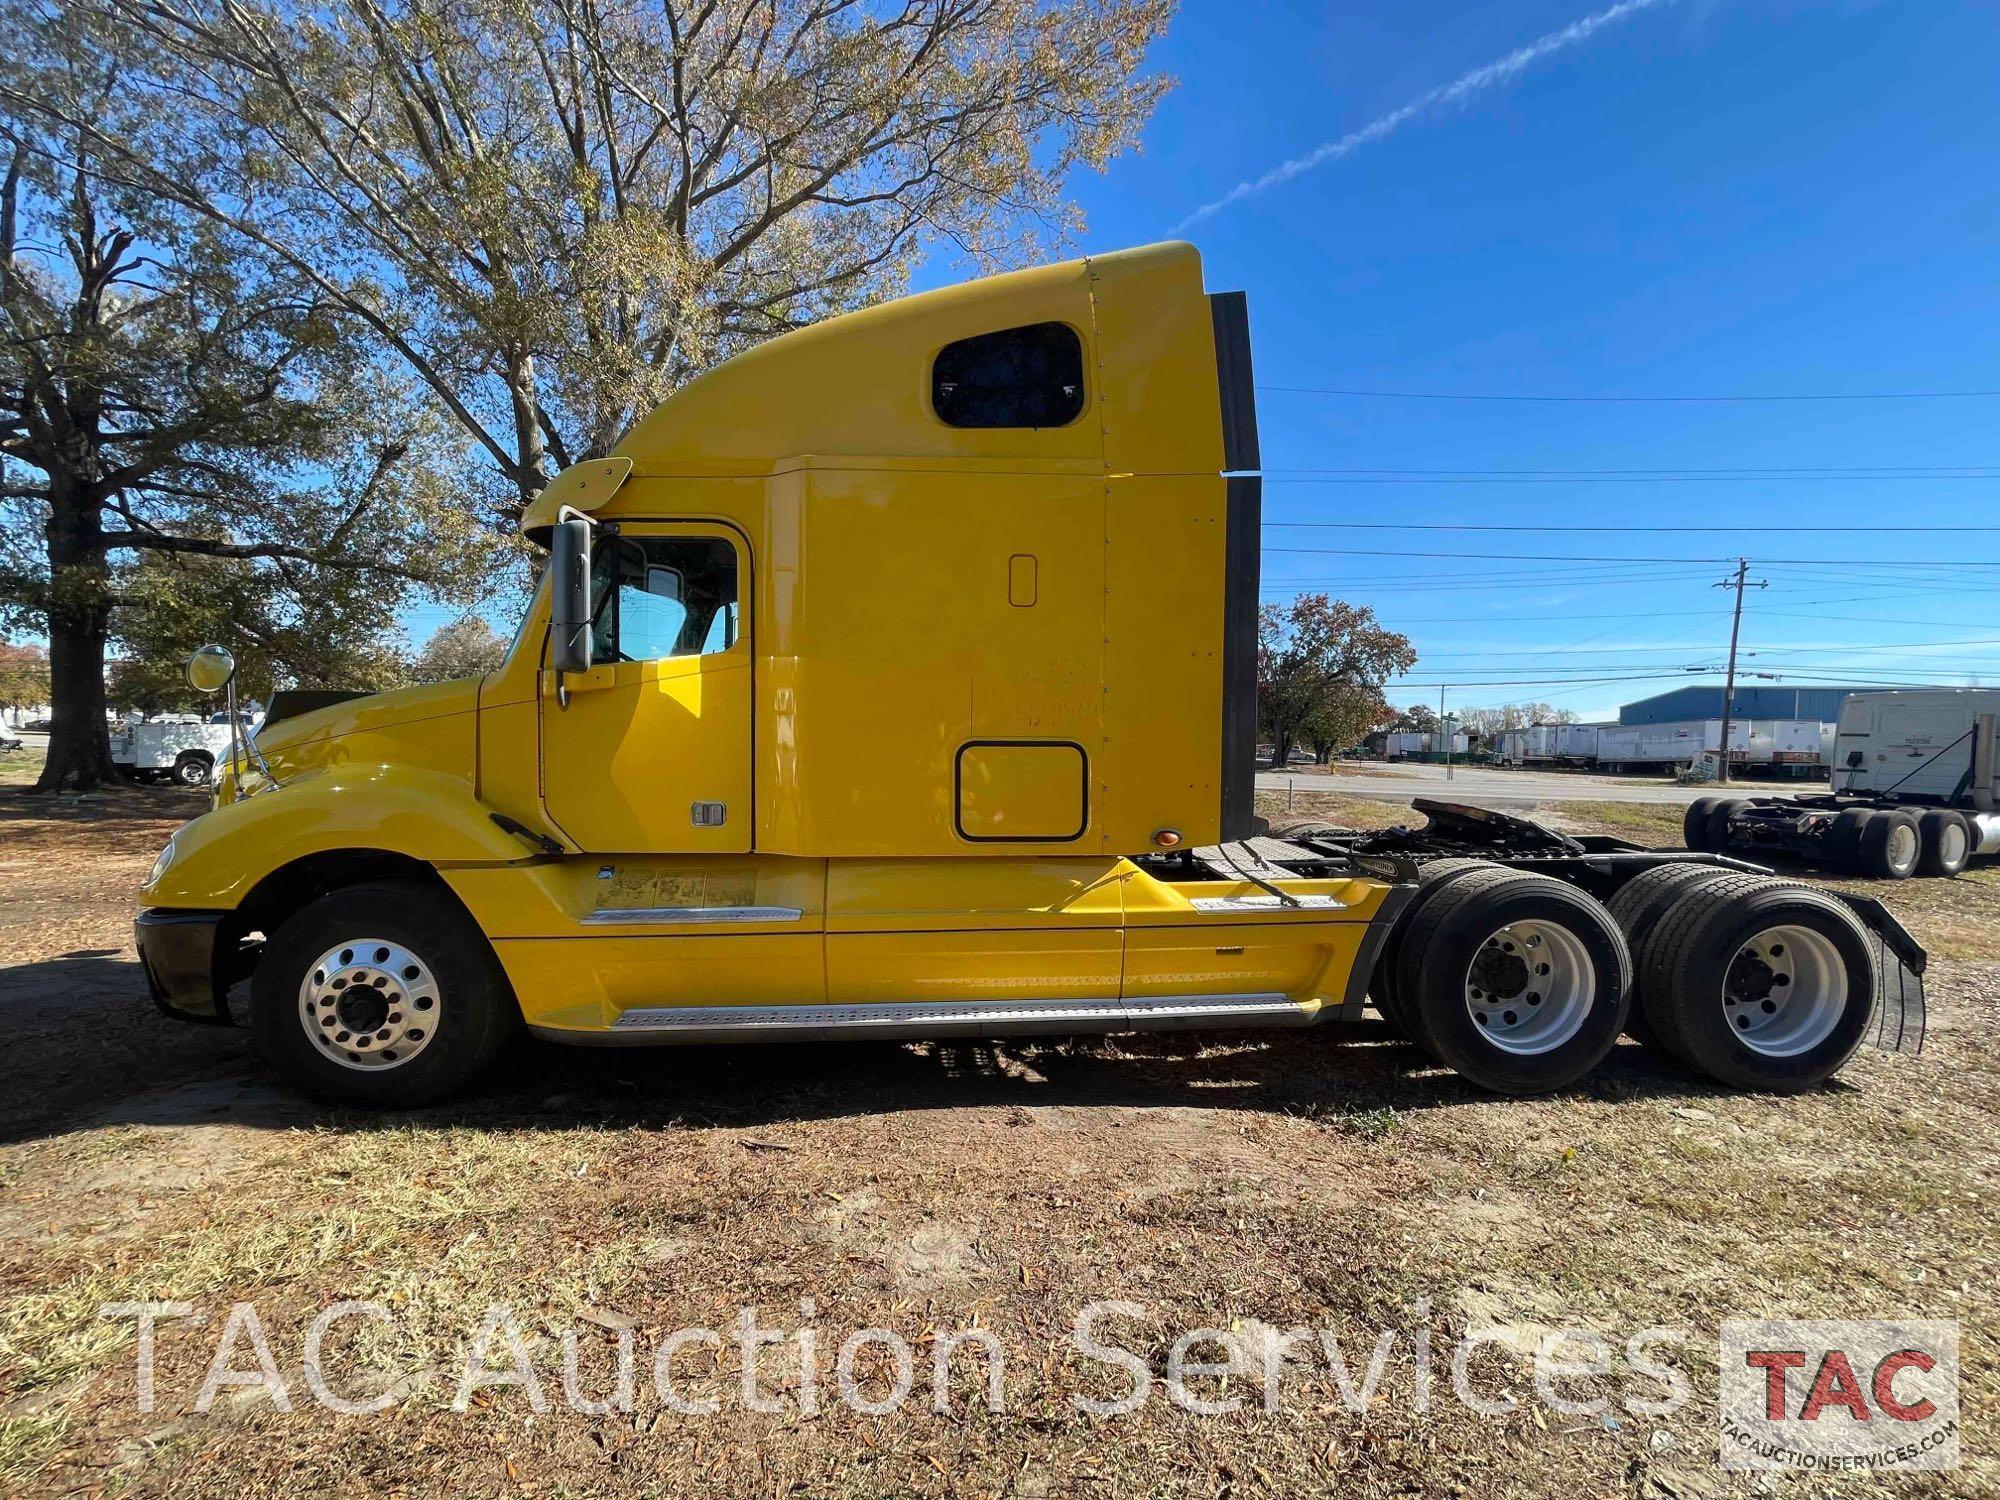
[(1786, 747), (183, 751), (1576, 744), (1916, 790), (1549, 745), (1626, 747)]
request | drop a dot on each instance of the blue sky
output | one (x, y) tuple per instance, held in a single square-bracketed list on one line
[(1700, 198)]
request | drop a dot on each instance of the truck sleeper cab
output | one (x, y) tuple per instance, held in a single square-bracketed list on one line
[(894, 678)]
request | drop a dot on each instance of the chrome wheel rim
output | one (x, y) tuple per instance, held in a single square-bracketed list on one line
[(1530, 987), (1785, 991), (1904, 845), (369, 1004)]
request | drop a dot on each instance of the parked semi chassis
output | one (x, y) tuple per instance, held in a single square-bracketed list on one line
[(879, 685), (1916, 792), (1874, 836)]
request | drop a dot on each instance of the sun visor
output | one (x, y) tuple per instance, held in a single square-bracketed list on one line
[(587, 487)]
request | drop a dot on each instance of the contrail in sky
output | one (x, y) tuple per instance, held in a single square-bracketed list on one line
[(1460, 91)]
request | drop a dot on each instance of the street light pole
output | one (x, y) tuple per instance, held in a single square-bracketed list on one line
[(1444, 728)]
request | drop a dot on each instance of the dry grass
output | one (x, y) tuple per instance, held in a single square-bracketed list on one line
[(1301, 1179)]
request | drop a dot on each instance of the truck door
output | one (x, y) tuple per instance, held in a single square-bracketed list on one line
[(651, 755)]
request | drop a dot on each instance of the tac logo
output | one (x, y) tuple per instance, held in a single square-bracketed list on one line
[(1839, 1395)]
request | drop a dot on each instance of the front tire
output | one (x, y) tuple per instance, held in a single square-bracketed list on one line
[(193, 769), (1518, 982), (385, 996)]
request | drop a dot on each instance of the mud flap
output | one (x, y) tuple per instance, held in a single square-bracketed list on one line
[(1900, 962), (1899, 1001)]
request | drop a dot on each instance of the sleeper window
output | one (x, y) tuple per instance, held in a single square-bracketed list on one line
[(657, 597), (1018, 377)]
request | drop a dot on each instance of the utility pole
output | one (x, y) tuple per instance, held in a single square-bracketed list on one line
[(1738, 583)]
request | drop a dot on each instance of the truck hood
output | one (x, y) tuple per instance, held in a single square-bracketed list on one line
[(396, 726)]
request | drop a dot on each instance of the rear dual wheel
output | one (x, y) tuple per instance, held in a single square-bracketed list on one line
[(1705, 823), (1948, 841), (1517, 982), (1758, 983), (1637, 908)]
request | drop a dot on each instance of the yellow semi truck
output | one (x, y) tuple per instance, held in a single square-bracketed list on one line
[(897, 678)]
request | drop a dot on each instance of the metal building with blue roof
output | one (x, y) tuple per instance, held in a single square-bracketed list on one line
[(1760, 701)]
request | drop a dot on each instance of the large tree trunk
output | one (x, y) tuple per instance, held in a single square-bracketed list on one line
[(79, 623)]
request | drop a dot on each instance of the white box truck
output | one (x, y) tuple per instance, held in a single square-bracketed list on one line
[(1916, 791)]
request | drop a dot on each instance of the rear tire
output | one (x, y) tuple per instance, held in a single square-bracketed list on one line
[(1382, 984), (1843, 839), (1948, 839), (193, 769), (1637, 908), (1694, 824), (1717, 832), (1759, 983), (1891, 846), (385, 996), (1516, 981)]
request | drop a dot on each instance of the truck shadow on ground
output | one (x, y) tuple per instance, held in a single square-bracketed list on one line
[(86, 1049)]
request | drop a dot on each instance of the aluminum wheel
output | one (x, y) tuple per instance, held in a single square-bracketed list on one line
[(369, 1003), (1905, 843), (1785, 991), (1530, 987), (1953, 844)]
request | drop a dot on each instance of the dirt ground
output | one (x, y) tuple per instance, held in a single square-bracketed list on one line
[(1325, 1180)]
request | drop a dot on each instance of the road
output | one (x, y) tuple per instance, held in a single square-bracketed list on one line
[(1489, 786)]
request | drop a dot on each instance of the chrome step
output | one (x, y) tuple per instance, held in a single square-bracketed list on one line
[(941, 1018)]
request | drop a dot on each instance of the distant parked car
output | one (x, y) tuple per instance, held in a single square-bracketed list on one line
[(38, 726)]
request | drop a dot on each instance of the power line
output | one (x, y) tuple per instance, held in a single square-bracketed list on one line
[(1455, 526), (1734, 397), (1692, 477), (1582, 557)]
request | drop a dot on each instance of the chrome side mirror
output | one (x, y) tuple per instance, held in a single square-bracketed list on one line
[(211, 669)]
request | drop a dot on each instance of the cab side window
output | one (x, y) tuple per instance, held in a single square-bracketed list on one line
[(656, 597)]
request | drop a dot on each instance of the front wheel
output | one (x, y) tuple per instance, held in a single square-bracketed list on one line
[(384, 996), (193, 770), (1519, 982)]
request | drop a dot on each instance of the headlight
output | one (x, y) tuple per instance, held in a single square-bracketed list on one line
[(160, 865)]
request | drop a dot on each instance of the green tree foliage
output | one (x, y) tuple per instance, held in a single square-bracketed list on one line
[(312, 627), (1321, 666), (169, 390), (552, 214), (24, 677), (467, 647)]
